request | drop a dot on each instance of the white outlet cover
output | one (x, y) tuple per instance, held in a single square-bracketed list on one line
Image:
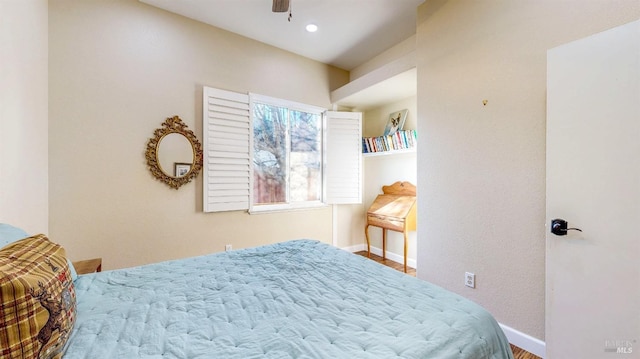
[(470, 280)]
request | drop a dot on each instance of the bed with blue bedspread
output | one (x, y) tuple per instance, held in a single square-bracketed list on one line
[(298, 299)]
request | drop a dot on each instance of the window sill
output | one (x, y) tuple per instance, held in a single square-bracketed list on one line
[(286, 208)]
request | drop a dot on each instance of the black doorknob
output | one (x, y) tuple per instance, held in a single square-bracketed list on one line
[(559, 227)]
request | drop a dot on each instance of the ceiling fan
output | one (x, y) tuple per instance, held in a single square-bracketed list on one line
[(280, 6)]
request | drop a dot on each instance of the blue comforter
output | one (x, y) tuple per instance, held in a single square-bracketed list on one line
[(298, 299)]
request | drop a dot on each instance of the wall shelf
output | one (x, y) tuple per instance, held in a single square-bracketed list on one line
[(389, 153)]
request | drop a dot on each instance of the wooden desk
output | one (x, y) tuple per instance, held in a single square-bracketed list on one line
[(88, 266), (394, 210)]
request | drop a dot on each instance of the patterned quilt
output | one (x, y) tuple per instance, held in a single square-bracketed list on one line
[(298, 299)]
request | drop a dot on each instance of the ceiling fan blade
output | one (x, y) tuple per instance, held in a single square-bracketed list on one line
[(280, 6)]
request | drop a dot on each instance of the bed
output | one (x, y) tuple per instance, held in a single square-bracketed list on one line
[(297, 299)]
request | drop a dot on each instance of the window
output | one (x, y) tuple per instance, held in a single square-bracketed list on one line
[(287, 154), (264, 154)]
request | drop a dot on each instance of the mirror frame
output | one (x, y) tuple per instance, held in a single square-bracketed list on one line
[(173, 125)]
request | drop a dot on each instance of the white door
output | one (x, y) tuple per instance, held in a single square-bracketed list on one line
[(593, 182)]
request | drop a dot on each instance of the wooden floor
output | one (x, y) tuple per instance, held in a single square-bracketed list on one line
[(389, 263), (522, 354), (517, 352)]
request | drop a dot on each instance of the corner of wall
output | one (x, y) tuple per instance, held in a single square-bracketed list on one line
[(24, 115)]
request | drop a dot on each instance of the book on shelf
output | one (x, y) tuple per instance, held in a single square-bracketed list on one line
[(398, 140)]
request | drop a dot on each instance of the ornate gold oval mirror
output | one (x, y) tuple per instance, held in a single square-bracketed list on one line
[(174, 154)]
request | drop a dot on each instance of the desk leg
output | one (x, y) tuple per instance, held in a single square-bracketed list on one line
[(384, 243), (366, 234), (406, 240)]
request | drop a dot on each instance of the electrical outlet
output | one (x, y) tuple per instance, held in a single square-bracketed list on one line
[(227, 247), (470, 280)]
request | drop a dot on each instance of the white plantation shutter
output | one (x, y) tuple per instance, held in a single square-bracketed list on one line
[(227, 155), (343, 157), (228, 163)]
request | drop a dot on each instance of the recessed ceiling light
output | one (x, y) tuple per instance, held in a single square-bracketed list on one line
[(312, 28)]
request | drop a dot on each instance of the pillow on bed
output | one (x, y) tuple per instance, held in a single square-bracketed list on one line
[(37, 299), (10, 234)]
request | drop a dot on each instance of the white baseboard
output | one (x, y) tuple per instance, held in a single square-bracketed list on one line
[(356, 248), (524, 341), (398, 258)]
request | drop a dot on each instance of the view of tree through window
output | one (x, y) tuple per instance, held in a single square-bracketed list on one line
[(287, 157)]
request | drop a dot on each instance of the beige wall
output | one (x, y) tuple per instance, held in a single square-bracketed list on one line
[(117, 70), (398, 51), (23, 114), (376, 119), (481, 169)]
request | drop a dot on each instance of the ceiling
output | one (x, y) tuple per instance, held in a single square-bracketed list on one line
[(350, 31)]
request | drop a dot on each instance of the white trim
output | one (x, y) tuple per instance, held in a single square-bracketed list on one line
[(334, 225), (267, 208), (291, 105), (524, 341), (356, 248), (398, 258)]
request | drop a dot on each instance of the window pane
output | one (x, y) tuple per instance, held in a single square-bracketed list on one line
[(269, 154), (305, 160)]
